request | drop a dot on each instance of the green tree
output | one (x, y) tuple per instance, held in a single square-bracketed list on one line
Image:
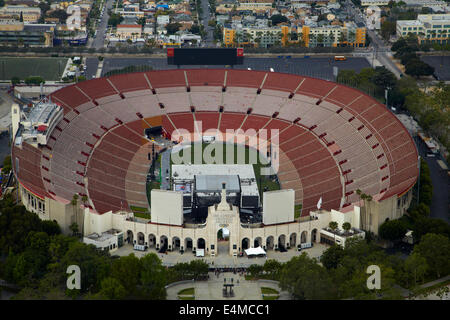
[(198, 268), (418, 68), (393, 230), (74, 228), (195, 29), (417, 266), (15, 224), (255, 270), (277, 19), (50, 227), (60, 14), (346, 226), (272, 268), (435, 249), (115, 19), (142, 21), (95, 265), (305, 279), (34, 80), (383, 78), (172, 28), (423, 225), (332, 256), (15, 80), (111, 289), (388, 28), (127, 270), (153, 277)]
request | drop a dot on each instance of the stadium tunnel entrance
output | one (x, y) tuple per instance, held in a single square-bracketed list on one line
[(223, 241)]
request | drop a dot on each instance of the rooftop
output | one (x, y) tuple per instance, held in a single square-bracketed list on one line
[(104, 236), (209, 177)]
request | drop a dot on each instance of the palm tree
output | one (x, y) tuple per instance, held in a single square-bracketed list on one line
[(346, 226), (320, 39), (84, 199), (280, 36), (74, 228), (342, 38), (74, 203), (312, 39), (368, 198), (333, 226)]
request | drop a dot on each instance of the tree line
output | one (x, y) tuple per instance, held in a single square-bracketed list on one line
[(341, 272), (35, 256)]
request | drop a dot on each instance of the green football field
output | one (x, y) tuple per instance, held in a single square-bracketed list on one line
[(50, 69)]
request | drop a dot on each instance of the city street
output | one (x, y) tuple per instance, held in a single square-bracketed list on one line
[(209, 40), (382, 52), (441, 183), (99, 40)]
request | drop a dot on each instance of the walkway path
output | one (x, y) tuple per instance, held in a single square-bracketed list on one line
[(212, 289)]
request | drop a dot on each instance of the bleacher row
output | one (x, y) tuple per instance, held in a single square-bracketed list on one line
[(336, 138)]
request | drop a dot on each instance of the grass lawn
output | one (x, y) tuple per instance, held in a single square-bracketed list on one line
[(266, 290), (297, 211), (248, 156), (187, 298), (152, 185), (50, 69), (428, 290), (270, 297), (187, 291), (142, 215), (140, 212), (138, 209)]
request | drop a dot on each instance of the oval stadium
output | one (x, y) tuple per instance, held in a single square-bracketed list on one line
[(341, 156)]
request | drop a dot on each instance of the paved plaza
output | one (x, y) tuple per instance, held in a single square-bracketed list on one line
[(223, 259), (212, 289)]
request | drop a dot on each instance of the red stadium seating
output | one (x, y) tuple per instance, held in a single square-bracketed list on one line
[(332, 139)]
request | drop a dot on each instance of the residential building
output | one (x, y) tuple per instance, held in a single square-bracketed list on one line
[(262, 37), (380, 3), (255, 5), (18, 33), (29, 14), (129, 31), (432, 28), (162, 20), (334, 35)]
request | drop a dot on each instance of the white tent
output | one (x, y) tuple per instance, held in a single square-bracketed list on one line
[(200, 253), (254, 251)]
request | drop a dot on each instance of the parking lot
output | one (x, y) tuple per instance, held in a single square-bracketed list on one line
[(441, 65), (318, 67)]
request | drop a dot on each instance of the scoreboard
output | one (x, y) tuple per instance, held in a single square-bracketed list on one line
[(205, 56)]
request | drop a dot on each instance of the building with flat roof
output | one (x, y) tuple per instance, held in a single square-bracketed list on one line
[(29, 14), (429, 28), (13, 32), (129, 31)]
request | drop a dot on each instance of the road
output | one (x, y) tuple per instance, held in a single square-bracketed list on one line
[(99, 39), (441, 185), (206, 16), (381, 51)]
